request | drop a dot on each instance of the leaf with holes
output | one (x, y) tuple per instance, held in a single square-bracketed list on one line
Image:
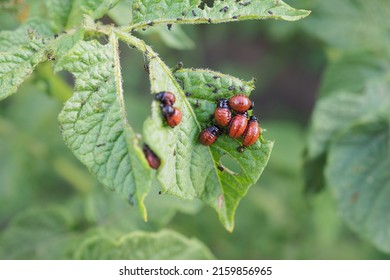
[(164, 245), (358, 174), (189, 169), (148, 12), (94, 123)]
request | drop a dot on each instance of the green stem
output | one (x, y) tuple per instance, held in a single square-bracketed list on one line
[(56, 86)]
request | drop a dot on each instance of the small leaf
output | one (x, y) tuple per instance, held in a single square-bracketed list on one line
[(18, 64), (358, 174), (94, 124), (191, 12), (164, 245)]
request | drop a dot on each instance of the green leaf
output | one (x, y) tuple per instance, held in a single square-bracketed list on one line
[(351, 72), (18, 64), (98, 8), (354, 20), (66, 14), (191, 11), (94, 123), (37, 234), (352, 87), (164, 245), (335, 112), (22, 35), (59, 11), (358, 174), (196, 168)]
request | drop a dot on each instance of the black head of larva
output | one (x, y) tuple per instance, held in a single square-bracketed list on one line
[(222, 103), (166, 97), (167, 110)]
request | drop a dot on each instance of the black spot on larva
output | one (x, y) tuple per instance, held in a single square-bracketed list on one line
[(221, 168), (193, 13), (188, 94), (270, 12), (232, 88)]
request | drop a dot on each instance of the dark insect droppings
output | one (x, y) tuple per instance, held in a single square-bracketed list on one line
[(245, 4), (193, 13), (220, 167), (169, 26), (240, 149), (224, 9)]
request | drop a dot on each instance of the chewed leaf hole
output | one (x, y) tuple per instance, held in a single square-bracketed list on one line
[(230, 165)]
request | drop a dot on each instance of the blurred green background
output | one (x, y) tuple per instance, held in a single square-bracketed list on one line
[(40, 179)]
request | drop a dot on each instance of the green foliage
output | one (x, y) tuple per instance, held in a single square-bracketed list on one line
[(94, 121), (358, 174), (360, 24), (164, 245), (94, 124), (18, 64), (347, 148)]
